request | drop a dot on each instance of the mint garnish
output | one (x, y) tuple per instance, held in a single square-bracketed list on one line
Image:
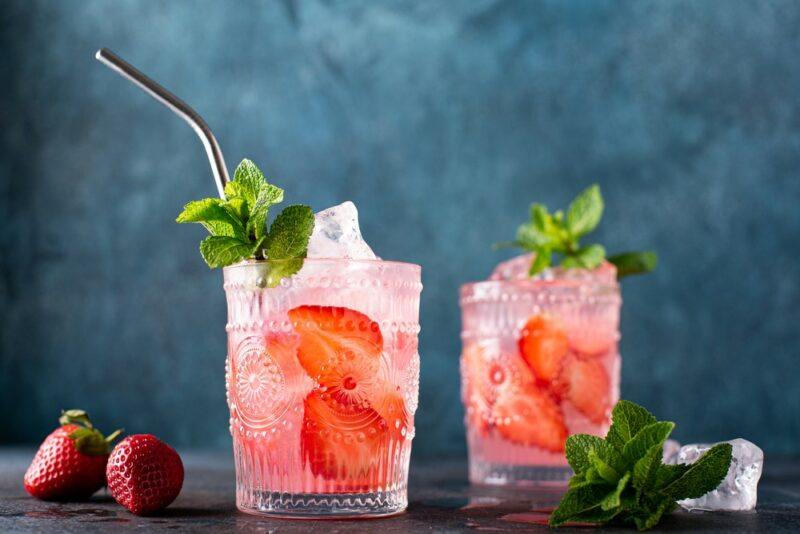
[(622, 477), (239, 224), (547, 234)]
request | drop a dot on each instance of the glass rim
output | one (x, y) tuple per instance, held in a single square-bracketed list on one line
[(331, 261), (556, 286)]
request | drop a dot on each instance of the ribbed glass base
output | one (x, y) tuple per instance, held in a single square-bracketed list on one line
[(517, 475), (322, 505)]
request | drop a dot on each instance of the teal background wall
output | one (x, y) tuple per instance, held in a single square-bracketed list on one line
[(442, 121)]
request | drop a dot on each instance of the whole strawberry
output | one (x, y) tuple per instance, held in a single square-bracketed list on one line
[(71, 462), (144, 474)]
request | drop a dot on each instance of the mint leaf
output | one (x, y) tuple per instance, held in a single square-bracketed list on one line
[(585, 212), (530, 237), (547, 234), (577, 501), (220, 251), (268, 196), (289, 234), (647, 437), (646, 468), (622, 477), (606, 472), (627, 418), (630, 263), (287, 242), (247, 181), (541, 261), (612, 500), (212, 214), (578, 448), (702, 476), (238, 207), (651, 519), (585, 258)]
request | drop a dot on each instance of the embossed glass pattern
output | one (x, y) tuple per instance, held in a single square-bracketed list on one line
[(322, 379), (539, 362)]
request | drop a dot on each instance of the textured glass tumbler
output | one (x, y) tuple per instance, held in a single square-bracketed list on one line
[(539, 362), (322, 379)]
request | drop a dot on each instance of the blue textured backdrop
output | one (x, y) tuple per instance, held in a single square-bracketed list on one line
[(442, 121)]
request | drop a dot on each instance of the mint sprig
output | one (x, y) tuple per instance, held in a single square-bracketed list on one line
[(558, 233), (622, 478), (239, 227)]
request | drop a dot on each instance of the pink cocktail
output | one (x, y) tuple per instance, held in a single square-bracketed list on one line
[(322, 378), (539, 362)]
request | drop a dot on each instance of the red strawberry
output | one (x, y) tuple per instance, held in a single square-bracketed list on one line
[(543, 344), (588, 388), (144, 474), (71, 462), (335, 342), (342, 441), (530, 417)]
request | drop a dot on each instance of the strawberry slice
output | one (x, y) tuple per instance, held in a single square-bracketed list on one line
[(532, 418), (337, 345), (343, 442), (387, 400), (543, 345), (588, 388)]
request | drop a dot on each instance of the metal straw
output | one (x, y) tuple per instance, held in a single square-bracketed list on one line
[(178, 106)]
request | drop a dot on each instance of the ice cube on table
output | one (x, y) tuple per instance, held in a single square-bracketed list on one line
[(739, 489), (337, 235), (671, 449)]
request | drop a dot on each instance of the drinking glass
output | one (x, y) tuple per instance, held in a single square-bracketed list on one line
[(539, 362), (322, 378)]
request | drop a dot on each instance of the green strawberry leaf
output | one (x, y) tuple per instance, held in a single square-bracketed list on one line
[(585, 212), (627, 418), (220, 251), (645, 438), (702, 476), (630, 263)]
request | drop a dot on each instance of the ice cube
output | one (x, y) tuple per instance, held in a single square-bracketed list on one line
[(517, 268), (739, 489), (337, 235), (671, 448), (514, 269)]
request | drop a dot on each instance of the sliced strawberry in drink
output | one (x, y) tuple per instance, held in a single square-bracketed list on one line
[(543, 345), (592, 339), (342, 442), (588, 388), (532, 418), (333, 339), (387, 400)]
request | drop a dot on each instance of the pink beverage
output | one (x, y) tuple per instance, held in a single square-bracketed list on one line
[(539, 362), (322, 379)]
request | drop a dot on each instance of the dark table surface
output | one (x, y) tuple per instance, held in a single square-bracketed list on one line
[(440, 501)]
